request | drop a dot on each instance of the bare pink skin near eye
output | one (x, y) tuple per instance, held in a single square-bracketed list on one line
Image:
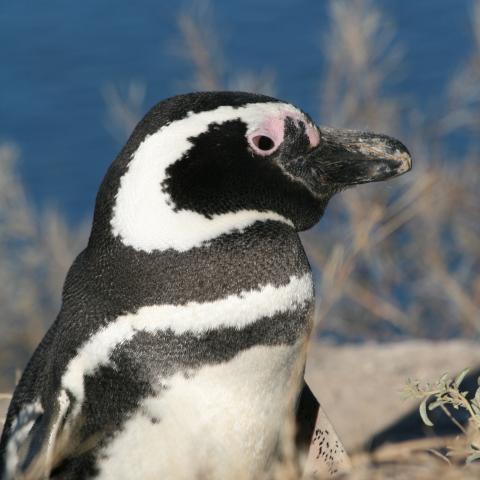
[(273, 130)]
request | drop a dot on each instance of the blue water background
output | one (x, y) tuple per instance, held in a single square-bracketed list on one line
[(57, 57)]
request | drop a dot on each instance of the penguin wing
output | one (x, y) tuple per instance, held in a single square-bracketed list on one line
[(27, 393), (325, 454), (29, 426)]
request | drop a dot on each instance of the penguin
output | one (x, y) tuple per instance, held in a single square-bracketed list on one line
[(180, 347)]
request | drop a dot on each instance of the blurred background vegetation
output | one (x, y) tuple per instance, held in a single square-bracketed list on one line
[(392, 261)]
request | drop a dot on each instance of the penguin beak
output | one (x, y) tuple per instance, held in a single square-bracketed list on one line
[(348, 157)]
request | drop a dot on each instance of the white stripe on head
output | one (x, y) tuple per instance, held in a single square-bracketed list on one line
[(143, 217), (236, 311)]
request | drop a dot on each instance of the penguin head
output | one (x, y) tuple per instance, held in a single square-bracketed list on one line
[(203, 164)]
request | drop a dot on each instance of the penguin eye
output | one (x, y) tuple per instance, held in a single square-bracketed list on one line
[(262, 144)]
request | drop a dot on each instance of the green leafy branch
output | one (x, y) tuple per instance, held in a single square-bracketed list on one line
[(446, 392)]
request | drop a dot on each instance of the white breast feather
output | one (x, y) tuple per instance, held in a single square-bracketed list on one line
[(223, 422)]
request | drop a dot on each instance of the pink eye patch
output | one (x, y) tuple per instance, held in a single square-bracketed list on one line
[(269, 135)]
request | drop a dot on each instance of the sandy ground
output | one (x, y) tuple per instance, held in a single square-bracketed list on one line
[(360, 386)]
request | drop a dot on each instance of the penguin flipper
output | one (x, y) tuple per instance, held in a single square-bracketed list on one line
[(28, 424), (325, 454), (37, 440), (15, 445), (25, 408)]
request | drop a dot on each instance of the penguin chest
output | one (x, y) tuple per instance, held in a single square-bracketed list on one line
[(222, 421), (222, 377)]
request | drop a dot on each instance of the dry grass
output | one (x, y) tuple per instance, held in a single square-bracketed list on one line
[(201, 47), (399, 259), (406, 462), (36, 249)]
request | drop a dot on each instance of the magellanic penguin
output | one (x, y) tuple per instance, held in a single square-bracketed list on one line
[(180, 347)]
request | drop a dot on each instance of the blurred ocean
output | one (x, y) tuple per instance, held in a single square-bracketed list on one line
[(57, 58)]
